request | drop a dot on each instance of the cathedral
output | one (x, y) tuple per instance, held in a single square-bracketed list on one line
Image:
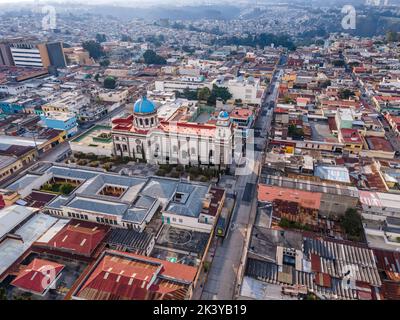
[(143, 136)]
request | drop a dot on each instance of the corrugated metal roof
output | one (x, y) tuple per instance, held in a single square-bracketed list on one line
[(12, 216)]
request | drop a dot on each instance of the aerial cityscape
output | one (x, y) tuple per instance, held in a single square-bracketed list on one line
[(200, 150)]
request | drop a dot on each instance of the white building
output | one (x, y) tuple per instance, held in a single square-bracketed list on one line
[(124, 201), (379, 205), (13, 89), (68, 102), (192, 83), (25, 55), (143, 136), (249, 90)]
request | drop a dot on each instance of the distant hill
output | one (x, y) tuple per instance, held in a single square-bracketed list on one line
[(175, 13)]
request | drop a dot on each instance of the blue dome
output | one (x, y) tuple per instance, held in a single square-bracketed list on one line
[(144, 106), (223, 115)]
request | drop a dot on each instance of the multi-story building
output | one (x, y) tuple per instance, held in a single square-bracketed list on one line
[(70, 102), (33, 54), (13, 158), (122, 201), (249, 91), (61, 121), (78, 56), (143, 136), (6, 58)]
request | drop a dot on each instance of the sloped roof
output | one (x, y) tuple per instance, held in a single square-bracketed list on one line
[(79, 237), (120, 275), (38, 276), (12, 216)]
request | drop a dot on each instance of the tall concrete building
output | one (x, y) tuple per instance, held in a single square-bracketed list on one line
[(56, 54), (28, 53), (6, 58)]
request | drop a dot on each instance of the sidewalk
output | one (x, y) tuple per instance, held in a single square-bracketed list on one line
[(198, 291)]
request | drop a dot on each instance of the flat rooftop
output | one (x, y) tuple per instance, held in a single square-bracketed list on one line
[(312, 186), (306, 199), (379, 144), (333, 173), (90, 136), (258, 290), (172, 238), (320, 131)]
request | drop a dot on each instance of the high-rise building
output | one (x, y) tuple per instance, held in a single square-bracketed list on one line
[(56, 54), (28, 53), (5, 55)]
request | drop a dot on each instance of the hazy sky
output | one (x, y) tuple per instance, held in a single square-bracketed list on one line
[(102, 1), (121, 1)]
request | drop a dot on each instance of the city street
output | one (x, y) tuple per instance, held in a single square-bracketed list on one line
[(227, 264)]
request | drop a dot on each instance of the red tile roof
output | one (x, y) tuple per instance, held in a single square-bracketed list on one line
[(387, 98), (37, 276), (240, 113), (120, 275), (351, 136), (306, 199), (379, 144), (79, 237)]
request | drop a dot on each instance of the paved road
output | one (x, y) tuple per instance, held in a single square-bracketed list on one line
[(222, 278)]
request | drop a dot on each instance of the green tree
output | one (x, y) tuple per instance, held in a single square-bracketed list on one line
[(110, 83), (288, 100), (150, 57), (338, 63), (294, 132), (345, 94), (105, 63), (126, 38), (189, 94), (325, 84), (203, 94), (219, 93), (352, 224), (101, 37), (94, 48), (66, 188)]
